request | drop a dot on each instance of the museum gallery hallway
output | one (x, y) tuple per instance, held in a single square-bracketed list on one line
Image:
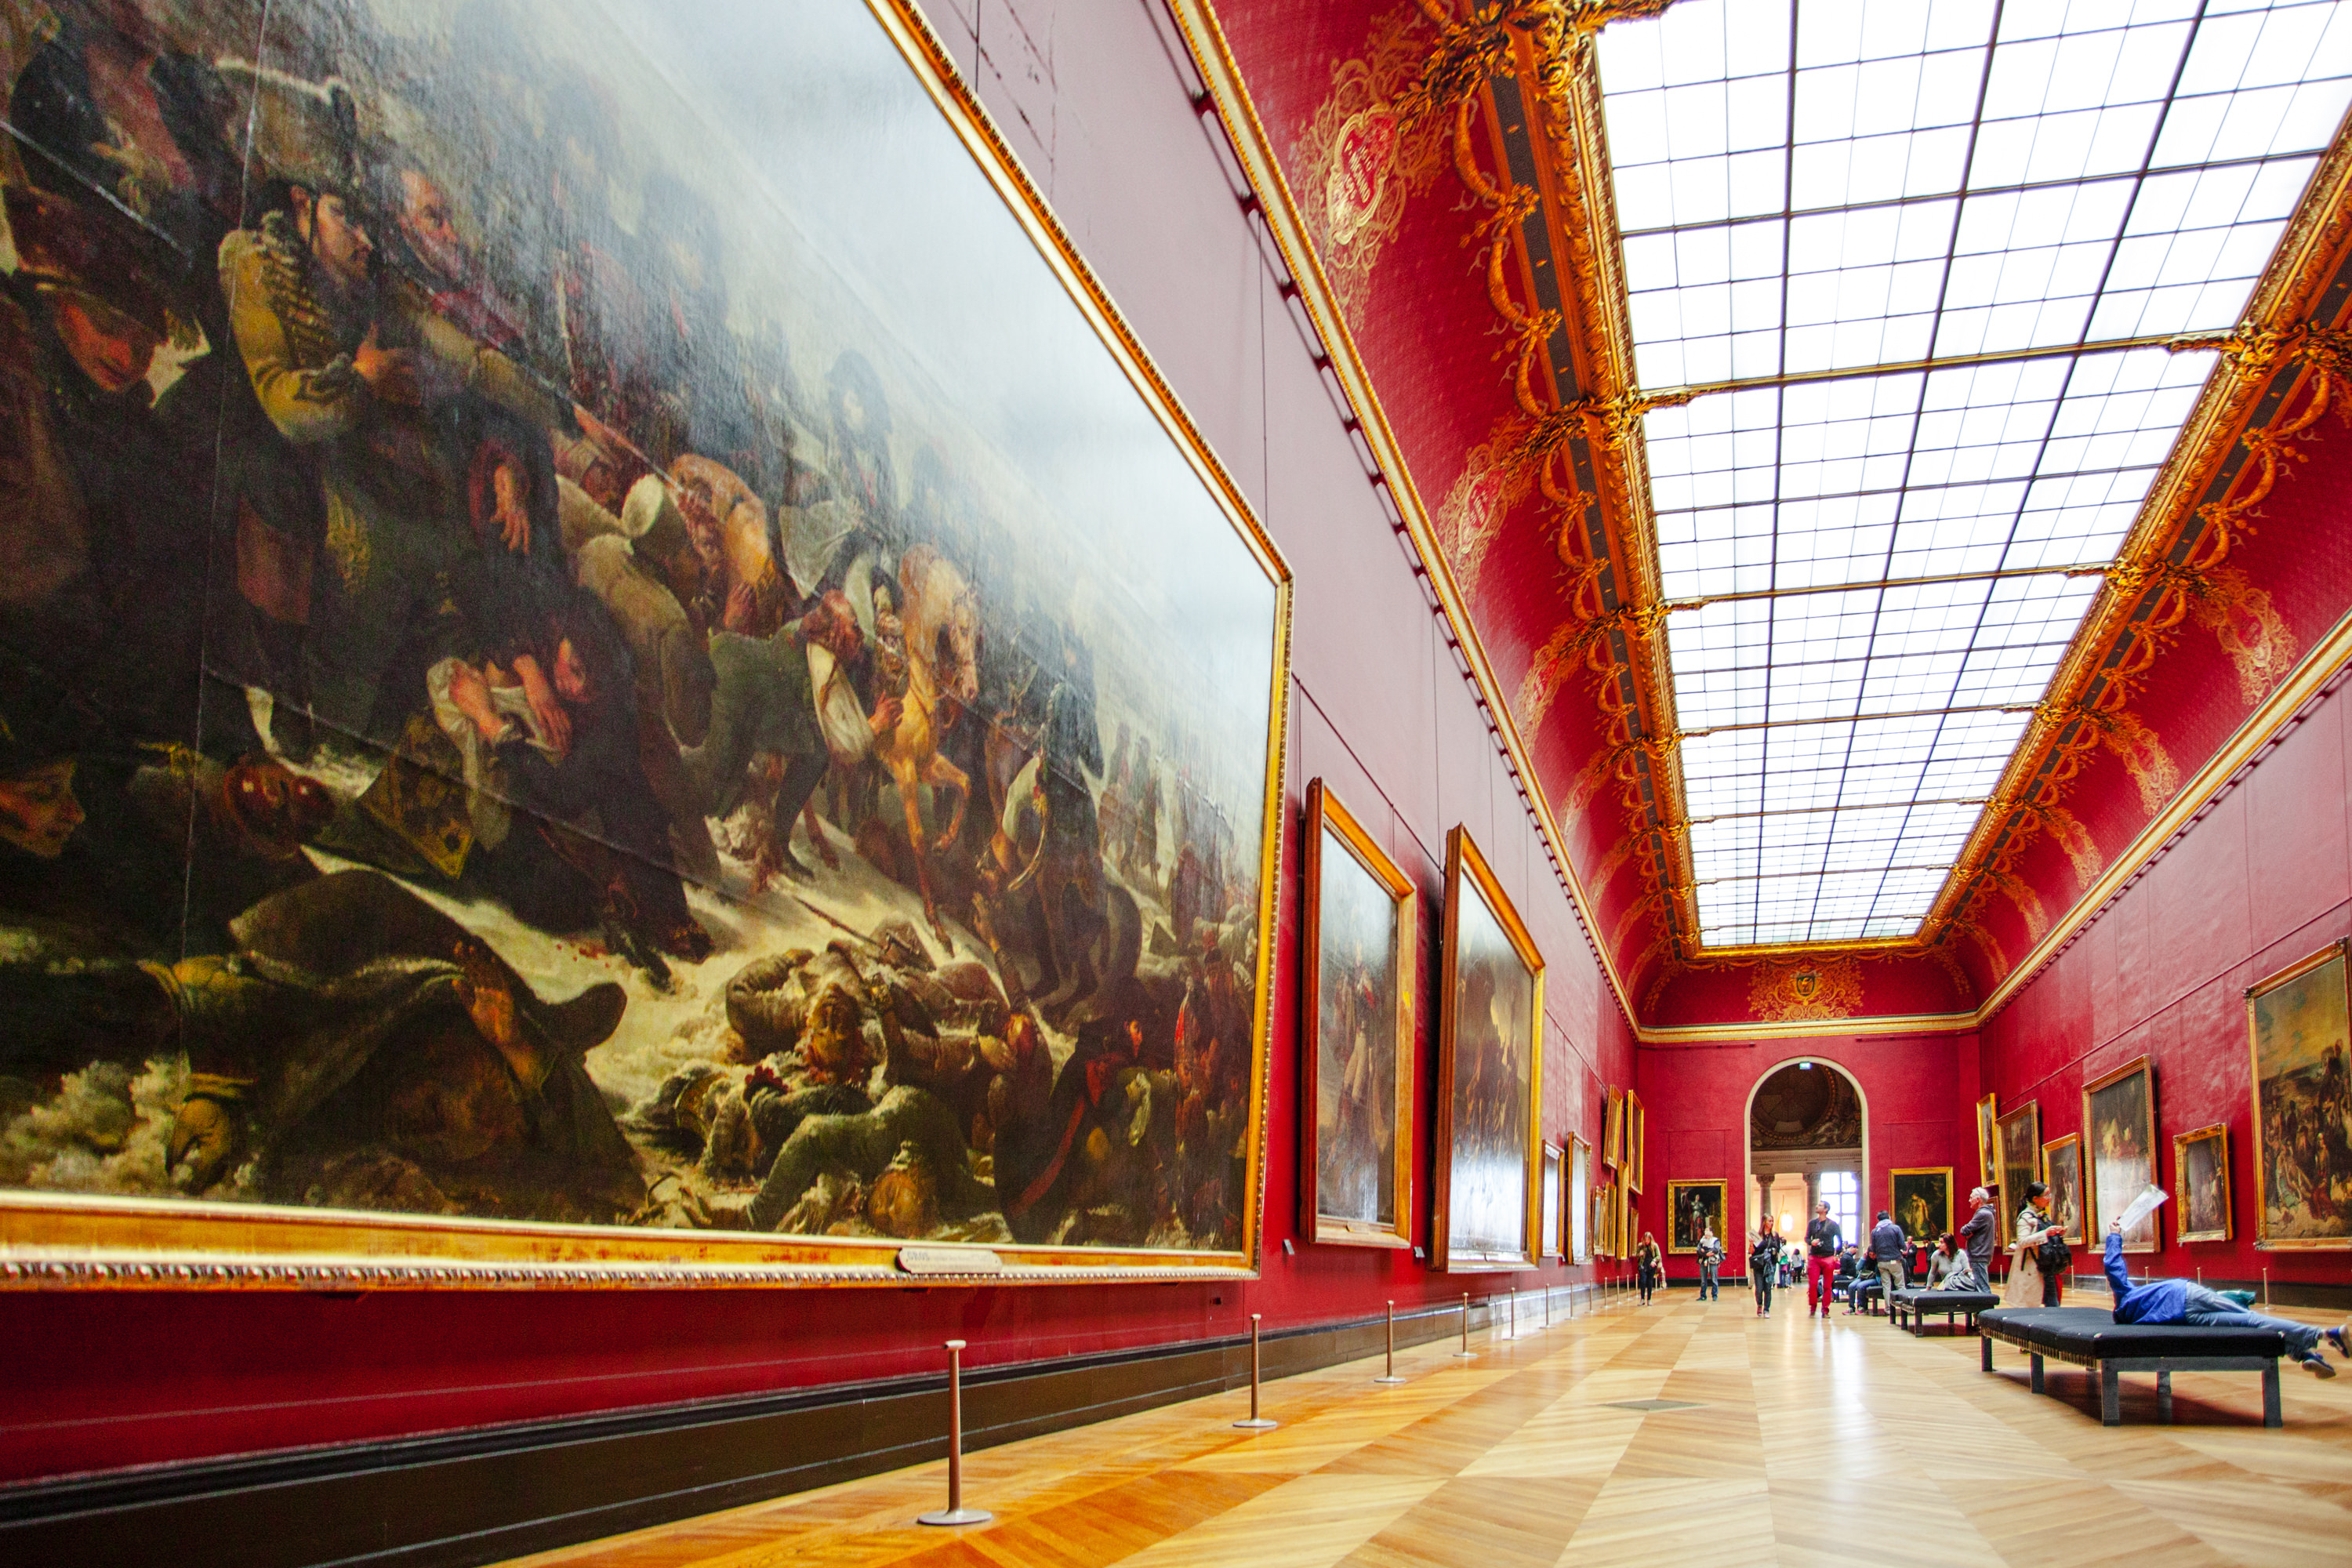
[(1679, 1433)]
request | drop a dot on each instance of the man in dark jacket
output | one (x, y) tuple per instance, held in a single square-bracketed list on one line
[(1823, 1242), (1978, 1236), (2186, 1301), (1887, 1246)]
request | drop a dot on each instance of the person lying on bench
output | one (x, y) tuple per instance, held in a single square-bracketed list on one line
[(2186, 1301)]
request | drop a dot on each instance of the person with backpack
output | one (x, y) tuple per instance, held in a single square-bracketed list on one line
[(1887, 1246), (1764, 1267), (2038, 1264), (1710, 1265)]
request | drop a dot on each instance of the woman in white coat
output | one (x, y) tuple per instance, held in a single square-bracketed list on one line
[(2028, 1286)]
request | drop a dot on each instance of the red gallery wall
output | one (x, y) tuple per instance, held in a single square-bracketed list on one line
[(2264, 878), (1095, 102), (1917, 1091)]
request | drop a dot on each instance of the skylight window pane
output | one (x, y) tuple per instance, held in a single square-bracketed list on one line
[(2098, 172)]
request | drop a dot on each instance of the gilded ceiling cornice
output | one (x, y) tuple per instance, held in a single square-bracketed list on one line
[(1277, 203)]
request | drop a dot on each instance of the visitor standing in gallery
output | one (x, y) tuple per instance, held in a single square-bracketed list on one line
[(1823, 1242), (1710, 1265), (1764, 1264), (1648, 1264), (2028, 1286), (1887, 1246), (1980, 1235)]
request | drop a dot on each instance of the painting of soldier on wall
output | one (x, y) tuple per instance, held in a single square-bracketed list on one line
[(2117, 1155), (1490, 1063), (573, 655), (1362, 930), (2303, 1104)]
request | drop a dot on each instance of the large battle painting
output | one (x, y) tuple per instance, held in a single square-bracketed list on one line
[(596, 626), (1362, 926), (2303, 1104), (1488, 1083)]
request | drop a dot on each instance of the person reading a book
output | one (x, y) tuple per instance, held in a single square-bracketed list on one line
[(2186, 1301)]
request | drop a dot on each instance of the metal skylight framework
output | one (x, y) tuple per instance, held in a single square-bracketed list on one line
[(1920, 256)]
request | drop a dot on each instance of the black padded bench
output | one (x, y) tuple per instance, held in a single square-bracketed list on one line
[(1917, 1304), (2090, 1337)]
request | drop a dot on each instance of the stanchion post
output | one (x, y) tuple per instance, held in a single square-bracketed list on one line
[(1515, 1312), (1390, 1377), (1255, 1422), (1466, 1352), (2266, 1288), (955, 1513)]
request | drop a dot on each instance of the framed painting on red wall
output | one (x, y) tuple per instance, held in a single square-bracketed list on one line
[(1988, 1142), (1578, 1245), (1489, 1194), (2201, 1175), (1636, 1140), (2303, 1104), (1361, 924), (2021, 1162), (1612, 1131), (1550, 1235), (418, 954), (2119, 1163), (1920, 1199), (1693, 1208), (2061, 1167)]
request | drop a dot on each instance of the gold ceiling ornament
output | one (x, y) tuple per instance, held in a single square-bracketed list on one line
[(1364, 154), (1790, 993)]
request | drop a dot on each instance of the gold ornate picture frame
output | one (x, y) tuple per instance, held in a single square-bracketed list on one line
[(1553, 1230), (1988, 1142), (2021, 1162), (2201, 1180), (1920, 1199), (1637, 1140), (890, 1229), (1489, 1195), (2298, 1034), (1361, 921), (2062, 1168), (1691, 1202), (1613, 1136), (1576, 1246), (2119, 1150)]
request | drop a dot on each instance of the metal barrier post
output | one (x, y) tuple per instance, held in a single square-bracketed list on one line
[(1390, 1377), (955, 1513), (1255, 1423)]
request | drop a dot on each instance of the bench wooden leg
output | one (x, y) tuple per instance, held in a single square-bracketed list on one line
[(2163, 1398), (2111, 1405), (2271, 1414), (1984, 1347), (2037, 1373)]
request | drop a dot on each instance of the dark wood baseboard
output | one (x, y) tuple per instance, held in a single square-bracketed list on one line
[(484, 1495)]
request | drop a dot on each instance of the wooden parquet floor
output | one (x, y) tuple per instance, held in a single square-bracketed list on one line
[(1845, 1443)]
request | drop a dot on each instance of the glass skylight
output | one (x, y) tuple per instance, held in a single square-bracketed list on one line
[(1921, 254)]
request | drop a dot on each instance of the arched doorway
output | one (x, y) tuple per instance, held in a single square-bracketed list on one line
[(1808, 1140)]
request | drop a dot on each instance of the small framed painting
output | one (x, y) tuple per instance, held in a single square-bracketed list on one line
[(1490, 1075), (1604, 1220), (1356, 971), (1579, 1245), (1549, 1242), (2061, 1167), (2020, 1144), (2201, 1175), (1692, 1209), (1920, 1199), (2119, 1124), (1988, 1141), (1613, 1136), (2297, 1022), (1629, 1221)]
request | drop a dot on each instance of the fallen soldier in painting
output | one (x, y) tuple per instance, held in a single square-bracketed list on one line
[(2188, 1301)]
